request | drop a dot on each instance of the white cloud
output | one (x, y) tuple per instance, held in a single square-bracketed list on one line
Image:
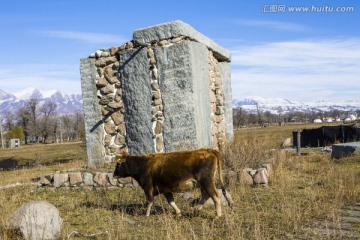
[(298, 70), (286, 26), (85, 36), (65, 78)]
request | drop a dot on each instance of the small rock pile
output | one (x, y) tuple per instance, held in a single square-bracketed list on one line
[(258, 176), (83, 179)]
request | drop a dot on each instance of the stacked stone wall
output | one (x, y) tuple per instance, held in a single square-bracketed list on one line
[(160, 95)]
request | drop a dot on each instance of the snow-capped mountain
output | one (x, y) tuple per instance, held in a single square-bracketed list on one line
[(283, 106), (66, 103)]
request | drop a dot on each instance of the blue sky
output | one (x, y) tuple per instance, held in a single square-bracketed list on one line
[(276, 52)]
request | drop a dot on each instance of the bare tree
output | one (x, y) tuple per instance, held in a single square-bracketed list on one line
[(9, 120), (47, 122), (23, 119), (32, 105)]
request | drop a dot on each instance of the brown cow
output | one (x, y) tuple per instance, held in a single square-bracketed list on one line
[(167, 173)]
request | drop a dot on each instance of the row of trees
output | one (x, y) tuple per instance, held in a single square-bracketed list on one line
[(243, 118), (42, 123)]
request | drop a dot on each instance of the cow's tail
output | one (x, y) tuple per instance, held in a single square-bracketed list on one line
[(219, 162)]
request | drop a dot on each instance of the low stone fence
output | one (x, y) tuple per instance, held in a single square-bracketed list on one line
[(83, 179), (248, 176)]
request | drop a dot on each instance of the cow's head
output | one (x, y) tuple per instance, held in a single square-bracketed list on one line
[(120, 169)]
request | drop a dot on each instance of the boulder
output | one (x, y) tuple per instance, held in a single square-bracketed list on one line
[(260, 176), (35, 220)]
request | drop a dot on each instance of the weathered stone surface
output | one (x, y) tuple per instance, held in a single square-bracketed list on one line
[(46, 180), (245, 178), (137, 99), (120, 139), (107, 139), (286, 142), (101, 83), (112, 180), (122, 129), (88, 179), (92, 112), (158, 127), (117, 117), (107, 89), (225, 73), (106, 99), (102, 62), (176, 29), (345, 149), (186, 125), (260, 176), (113, 50), (36, 220), (159, 143), (116, 105), (110, 128), (210, 202), (60, 179), (75, 178), (101, 178)]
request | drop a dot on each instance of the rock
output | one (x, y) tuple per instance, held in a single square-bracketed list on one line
[(286, 143), (345, 149), (36, 220), (101, 178), (88, 179), (113, 50), (105, 54), (260, 176), (120, 139), (269, 170), (245, 178), (61, 179), (107, 139), (98, 53), (101, 83), (75, 178), (159, 143), (106, 99), (129, 45), (117, 117), (116, 105), (187, 196), (112, 180), (108, 89), (110, 128), (155, 86), (210, 202), (46, 180), (122, 129), (158, 127)]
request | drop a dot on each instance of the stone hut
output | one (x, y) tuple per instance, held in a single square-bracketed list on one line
[(167, 89)]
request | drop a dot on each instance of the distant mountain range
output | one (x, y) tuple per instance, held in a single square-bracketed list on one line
[(283, 106), (66, 103), (70, 103)]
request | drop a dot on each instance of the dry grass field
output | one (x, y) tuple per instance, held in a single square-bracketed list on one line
[(304, 191)]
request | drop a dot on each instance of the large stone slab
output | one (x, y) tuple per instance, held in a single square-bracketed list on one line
[(345, 149), (225, 74), (35, 220), (136, 83), (184, 84), (92, 113), (175, 29)]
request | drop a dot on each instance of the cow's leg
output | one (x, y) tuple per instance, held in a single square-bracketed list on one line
[(150, 202), (214, 194), (204, 197), (170, 198)]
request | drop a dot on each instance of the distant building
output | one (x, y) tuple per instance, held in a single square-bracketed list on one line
[(14, 143), (317, 120)]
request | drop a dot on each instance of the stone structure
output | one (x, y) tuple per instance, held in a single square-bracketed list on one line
[(167, 89), (345, 149)]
